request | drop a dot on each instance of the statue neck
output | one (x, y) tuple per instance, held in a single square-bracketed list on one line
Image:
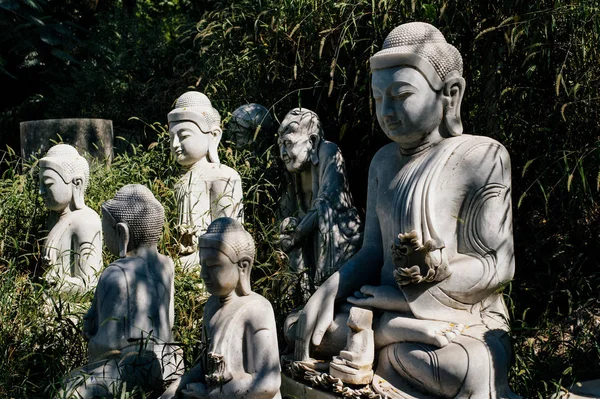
[(427, 142), (145, 252), (225, 299), (201, 163)]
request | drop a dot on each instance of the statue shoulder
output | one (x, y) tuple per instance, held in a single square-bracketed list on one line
[(328, 149), (481, 152), (260, 312), (227, 172), (87, 222), (385, 155)]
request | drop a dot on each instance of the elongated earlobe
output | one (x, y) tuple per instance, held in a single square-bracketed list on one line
[(78, 192), (215, 139), (123, 237), (453, 92), (314, 152), (245, 267)]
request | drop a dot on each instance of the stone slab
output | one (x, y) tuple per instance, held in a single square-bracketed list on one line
[(292, 389), (92, 137)]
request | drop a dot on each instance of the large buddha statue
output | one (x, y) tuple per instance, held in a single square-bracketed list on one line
[(240, 357), (72, 251), (208, 189), (438, 244), (129, 323), (321, 229)]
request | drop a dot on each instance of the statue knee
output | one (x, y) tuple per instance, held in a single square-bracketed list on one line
[(435, 370)]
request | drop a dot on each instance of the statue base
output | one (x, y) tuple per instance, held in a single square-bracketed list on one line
[(581, 390), (291, 388)]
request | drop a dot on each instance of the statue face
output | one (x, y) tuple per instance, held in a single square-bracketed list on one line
[(221, 276), (407, 108), (188, 143), (56, 193), (242, 136), (294, 148), (109, 231)]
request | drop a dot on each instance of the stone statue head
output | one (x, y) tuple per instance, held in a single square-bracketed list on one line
[(64, 177), (195, 129), (226, 255), (133, 218), (300, 134), (245, 121), (417, 83)]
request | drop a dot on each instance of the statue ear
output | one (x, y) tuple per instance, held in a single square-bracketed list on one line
[(123, 238), (245, 267), (215, 139), (314, 151), (78, 192), (452, 96)]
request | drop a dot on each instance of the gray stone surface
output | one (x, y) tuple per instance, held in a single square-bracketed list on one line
[(438, 236), (292, 389), (72, 251), (241, 356), (321, 229), (581, 390), (89, 136), (129, 323), (251, 126), (208, 189)]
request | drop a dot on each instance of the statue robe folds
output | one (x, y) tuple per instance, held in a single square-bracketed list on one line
[(455, 195), (339, 232), (230, 351), (204, 193), (73, 251)]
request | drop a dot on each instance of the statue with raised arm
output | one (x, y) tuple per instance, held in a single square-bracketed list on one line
[(72, 252), (240, 357), (129, 323), (321, 229), (208, 190), (438, 245)]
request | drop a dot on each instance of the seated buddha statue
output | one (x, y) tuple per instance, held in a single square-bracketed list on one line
[(128, 325), (240, 357), (208, 190), (72, 251), (438, 244)]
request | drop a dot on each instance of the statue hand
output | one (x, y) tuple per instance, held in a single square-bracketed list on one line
[(286, 242), (417, 263), (314, 320), (382, 297)]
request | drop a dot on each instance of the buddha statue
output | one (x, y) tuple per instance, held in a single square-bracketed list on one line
[(438, 244), (240, 357), (248, 124), (208, 190), (128, 326), (321, 229), (72, 251)]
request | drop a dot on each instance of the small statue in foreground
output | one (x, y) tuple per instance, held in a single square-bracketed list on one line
[(129, 323), (72, 252), (249, 124), (208, 190), (438, 236), (240, 358), (321, 229)]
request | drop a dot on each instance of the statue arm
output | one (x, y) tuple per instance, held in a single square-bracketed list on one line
[(226, 198), (485, 258), (264, 380)]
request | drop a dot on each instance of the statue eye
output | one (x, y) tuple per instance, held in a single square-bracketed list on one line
[(401, 95)]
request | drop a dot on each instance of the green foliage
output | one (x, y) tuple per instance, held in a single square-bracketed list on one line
[(532, 71), (41, 338)]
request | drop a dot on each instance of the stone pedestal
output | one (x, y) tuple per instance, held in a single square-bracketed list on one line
[(89, 136), (291, 388)]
